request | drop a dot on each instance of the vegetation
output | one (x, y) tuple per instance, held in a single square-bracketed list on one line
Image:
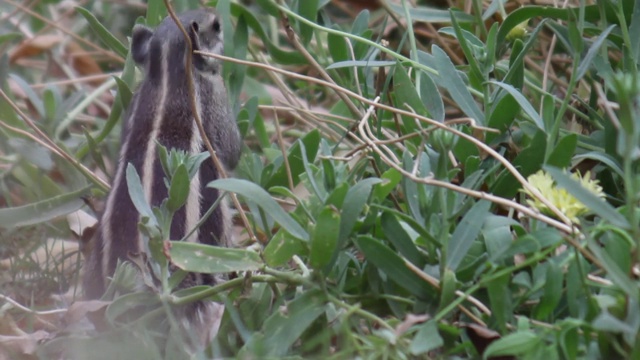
[(418, 181)]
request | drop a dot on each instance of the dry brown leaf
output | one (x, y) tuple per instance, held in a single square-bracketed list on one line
[(409, 321), (34, 46), (82, 62)]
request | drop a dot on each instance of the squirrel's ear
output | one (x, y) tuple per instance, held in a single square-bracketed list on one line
[(140, 43)]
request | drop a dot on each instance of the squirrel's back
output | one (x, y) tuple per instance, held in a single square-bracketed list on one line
[(160, 111)]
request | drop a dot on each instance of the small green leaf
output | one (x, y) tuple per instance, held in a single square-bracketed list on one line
[(360, 63), (431, 97), (42, 211), (123, 304), (467, 40), (179, 190), (284, 327), (311, 143), (105, 35), (552, 292), (136, 193), (279, 55), (324, 237), (619, 276), (259, 196), (281, 249), (585, 63), (156, 11), (390, 179), (465, 233), (524, 103), (309, 10), (427, 338), (393, 265), (9, 36), (124, 92), (430, 14), (201, 258), (406, 94), (447, 287), (518, 343), (456, 86), (50, 104), (338, 48), (397, 235), (354, 202), (500, 301), (563, 153)]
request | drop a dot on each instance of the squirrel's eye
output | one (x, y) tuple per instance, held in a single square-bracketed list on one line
[(195, 26), (216, 25)]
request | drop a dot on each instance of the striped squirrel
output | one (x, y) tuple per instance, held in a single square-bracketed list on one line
[(160, 111)]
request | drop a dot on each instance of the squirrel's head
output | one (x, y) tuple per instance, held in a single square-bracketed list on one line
[(168, 43)]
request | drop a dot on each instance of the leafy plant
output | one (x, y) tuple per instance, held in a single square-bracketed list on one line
[(386, 181)]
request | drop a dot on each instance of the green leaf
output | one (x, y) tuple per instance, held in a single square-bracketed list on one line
[(123, 304), (124, 92), (563, 153), (465, 233), (604, 158), (259, 196), (9, 36), (42, 211), (354, 202), (338, 48), (427, 338), (500, 300), (105, 35), (324, 237), (391, 264), (397, 235), (390, 179), (156, 11), (620, 277), (202, 258), (589, 199), (448, 284), (634, 28), (406, 94), (466, 41), (431, 97), (308, 9), (430, 14), (179, 190), (518, 343), (284, 327), (279, 55), (281, 249), (50, 104), (593, 51), (136, 193), (456, 86), (552, 292), (360, 63), (527, 162), (503, 112), (311, 143), (518, 16), (524, 103)]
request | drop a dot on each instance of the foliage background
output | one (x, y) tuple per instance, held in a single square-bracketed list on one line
[(398, 138)]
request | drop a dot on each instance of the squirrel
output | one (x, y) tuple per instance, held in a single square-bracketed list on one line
[(161, 112)]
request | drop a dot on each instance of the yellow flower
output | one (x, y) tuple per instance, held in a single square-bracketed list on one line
[(560, 198)]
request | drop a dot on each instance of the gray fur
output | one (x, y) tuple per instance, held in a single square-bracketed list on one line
[(161, 111)]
